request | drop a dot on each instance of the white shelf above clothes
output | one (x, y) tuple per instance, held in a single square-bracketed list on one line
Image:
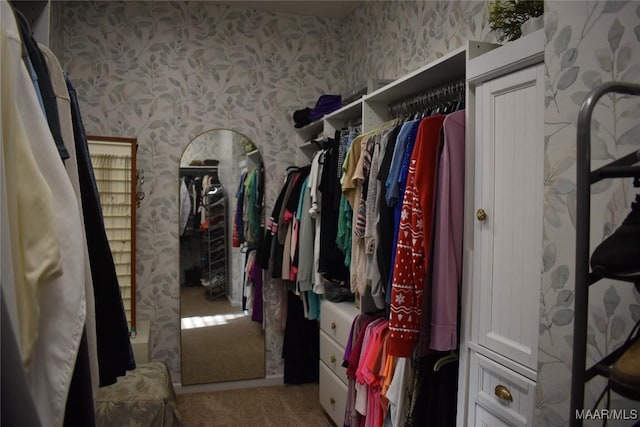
[(373, 109)]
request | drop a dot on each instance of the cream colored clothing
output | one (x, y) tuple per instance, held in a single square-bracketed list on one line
[(61, 299), (398, 391), (314, 211), (35, 247), (66, 125), (349, 166), (358, 274)]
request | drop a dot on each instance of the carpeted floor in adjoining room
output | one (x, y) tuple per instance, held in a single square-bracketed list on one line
[(219, 342), (276, 406)]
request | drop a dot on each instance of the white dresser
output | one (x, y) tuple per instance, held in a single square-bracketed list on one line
[(501, 296), (335, 326)]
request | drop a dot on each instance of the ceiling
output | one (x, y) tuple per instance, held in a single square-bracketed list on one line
[(327, 9)]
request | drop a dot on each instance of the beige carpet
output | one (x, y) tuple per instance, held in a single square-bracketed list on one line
[(278, 406), (219, 342)]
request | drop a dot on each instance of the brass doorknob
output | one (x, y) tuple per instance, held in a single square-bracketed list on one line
[(333, 325), (503, 393), (332, 400), (481, 214), (333, 359)]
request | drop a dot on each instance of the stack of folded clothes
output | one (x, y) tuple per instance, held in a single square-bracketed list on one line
[(325, 105)]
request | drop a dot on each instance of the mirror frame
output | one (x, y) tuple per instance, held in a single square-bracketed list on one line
[(259, 163)]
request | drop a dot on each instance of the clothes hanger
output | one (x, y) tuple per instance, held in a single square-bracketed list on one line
[(451, 357)]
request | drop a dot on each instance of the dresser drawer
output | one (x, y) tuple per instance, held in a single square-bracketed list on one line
[(333, 395), (336, 320), (484, 418), (489, 380), (332, 355)]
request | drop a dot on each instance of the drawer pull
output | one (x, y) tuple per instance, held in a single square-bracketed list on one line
[(481, 214), (333, 359), (333, 325), (332, 400), (503, 393)]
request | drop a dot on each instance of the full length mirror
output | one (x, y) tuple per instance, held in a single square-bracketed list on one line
[(221, 198)]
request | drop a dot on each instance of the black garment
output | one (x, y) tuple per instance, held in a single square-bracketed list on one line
[(292, 204), (296, 190), (301, 346), (331, 257), (386, 225), (80, 410), (115, 355), (48, 95), (434, 394), (259, 206), (270, 246), (278, 254), (263, 253), (288, 189)]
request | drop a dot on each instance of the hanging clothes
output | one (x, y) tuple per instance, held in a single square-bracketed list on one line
[(46, 92), (270, 251), (86, 377), (414, 239), (385, 227), (448, 226), (332, 258), (51, 290), (253, 217), (306, 240), (59, 305), (373, 230), (395, 185), (289, 215), (314, 214), (434, 397), (238, 224), (301, 346), (185, 206), (115, 355)]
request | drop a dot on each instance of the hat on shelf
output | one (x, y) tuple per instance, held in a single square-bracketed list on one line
[(301, 117)]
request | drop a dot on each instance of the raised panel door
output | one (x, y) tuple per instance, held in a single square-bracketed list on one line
[(509, 204)]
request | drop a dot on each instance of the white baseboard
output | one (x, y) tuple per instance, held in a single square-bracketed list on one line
[(230, 385)]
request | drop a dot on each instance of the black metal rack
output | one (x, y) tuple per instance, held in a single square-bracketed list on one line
[(626, 166)]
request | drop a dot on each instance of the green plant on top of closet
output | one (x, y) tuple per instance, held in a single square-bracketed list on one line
[(507, 16)]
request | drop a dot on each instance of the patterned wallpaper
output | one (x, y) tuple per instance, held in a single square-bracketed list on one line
[(388, 39), (164, 71), (587, 43)]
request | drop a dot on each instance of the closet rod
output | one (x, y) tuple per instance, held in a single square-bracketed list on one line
[(434, 98)]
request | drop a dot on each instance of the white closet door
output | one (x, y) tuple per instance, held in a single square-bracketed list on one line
[(508, 254)]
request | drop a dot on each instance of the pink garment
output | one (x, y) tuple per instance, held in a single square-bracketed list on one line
[(447, 247), (362, 388), (370, 369), (371, 366)]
